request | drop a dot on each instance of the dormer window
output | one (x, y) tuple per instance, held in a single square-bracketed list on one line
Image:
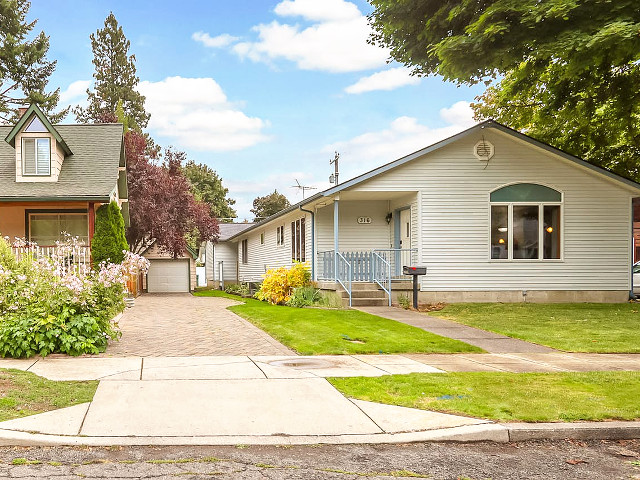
[(36, 156), (36, 126)]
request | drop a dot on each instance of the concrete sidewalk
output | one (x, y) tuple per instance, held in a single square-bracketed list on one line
[(277, 400), (489, 341)]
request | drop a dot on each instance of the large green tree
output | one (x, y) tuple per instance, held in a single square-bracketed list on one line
[(207, 187), (115, 79), (565, 71), (268, 205), (24, 68)]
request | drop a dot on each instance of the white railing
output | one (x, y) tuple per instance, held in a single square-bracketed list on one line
[(397, 258), (344, 274), (325, 267), (69, 258), (382, 273)]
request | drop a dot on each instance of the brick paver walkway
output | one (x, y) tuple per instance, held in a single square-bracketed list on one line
[(184, 325)]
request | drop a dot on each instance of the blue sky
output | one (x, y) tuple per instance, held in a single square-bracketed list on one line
[(262, 91)]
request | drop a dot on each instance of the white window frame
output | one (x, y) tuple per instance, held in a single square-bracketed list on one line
[(280, 236), (35, 146), (540, 206)]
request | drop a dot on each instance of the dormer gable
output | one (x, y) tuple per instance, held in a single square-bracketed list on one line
[(40, 149)]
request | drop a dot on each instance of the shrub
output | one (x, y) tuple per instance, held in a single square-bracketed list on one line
[(404, 301), (47, 307), (304, 296), (109, 242), (279, 283), (241, 289)]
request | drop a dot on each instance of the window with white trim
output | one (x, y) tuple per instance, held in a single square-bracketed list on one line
[(526, 223), (36, 156), (280, 235), (46, 229), (245, 251), (298, 234)]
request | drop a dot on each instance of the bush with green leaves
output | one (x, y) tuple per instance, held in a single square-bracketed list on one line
[(109, 242), (48, 306), (241, 289), (304, 297)]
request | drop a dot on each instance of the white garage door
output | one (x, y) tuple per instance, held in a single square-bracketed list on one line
[(168, 276)]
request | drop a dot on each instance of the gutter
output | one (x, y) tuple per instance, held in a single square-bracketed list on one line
[(313, 242)]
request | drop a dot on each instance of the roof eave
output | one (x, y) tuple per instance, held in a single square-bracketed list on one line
[(33, 109)]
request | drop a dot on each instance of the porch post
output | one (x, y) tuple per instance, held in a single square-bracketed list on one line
[(336, 210)]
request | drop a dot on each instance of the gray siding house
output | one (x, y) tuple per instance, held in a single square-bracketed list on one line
[(493, 215)]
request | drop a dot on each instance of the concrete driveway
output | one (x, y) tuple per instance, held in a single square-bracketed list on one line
[(183, 325)]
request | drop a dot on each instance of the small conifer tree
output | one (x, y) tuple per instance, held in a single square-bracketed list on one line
[(109, 239)]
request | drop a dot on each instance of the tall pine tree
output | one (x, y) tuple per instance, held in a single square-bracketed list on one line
[(115, 79), (24, 68)]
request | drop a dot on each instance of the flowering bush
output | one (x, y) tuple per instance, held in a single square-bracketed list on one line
[(279, 283), (53, 304)]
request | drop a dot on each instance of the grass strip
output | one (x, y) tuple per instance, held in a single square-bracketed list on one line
[(527, 397), (24, 393), (316, 331)]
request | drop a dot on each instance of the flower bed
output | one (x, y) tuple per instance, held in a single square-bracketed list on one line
[(52, 305)]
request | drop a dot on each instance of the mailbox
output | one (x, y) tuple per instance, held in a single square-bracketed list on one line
[(414, 270)]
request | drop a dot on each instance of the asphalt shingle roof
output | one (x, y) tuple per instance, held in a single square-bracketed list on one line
[(90, 172), (228, 230)]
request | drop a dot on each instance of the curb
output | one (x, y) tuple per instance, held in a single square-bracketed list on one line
[(499, 433)]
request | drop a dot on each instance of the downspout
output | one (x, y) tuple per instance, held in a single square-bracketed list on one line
[(313, 242), (632, 295)]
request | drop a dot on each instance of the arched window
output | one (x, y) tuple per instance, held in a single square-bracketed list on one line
[(526, 222)]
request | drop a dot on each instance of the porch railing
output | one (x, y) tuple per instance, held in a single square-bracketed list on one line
[(69, 258), (344, 274), (326, 265), (381, 273), (397, 258)]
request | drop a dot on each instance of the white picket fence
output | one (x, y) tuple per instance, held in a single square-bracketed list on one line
[(69, 258)]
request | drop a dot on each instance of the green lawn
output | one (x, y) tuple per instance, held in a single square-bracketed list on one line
[(23, 394), (529, 397), (576, 327), (314, 331)]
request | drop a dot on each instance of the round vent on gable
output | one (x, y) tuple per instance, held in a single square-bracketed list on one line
[(483, 150)]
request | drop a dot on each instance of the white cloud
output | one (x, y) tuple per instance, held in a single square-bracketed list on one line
[(385, 80), (219, 41), (74, 91), (335, 40), (195, 113), (405, 135)]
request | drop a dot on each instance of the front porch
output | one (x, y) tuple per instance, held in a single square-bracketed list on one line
[(363, 241)]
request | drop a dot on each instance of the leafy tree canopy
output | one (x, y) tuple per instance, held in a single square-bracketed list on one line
[(268, 205), (563, 71), (115, 79), (207, 187), (24, 68)]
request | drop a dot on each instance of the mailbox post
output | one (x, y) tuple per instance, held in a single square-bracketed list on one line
[(414, 272)]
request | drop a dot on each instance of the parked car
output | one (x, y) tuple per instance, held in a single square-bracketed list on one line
[(636, 277)]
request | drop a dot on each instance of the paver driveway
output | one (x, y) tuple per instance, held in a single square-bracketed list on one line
[(184, 325)]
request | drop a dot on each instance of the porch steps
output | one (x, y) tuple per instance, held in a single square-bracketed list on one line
[(364, 294)]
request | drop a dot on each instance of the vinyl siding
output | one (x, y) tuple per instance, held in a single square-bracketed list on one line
[(226, 252), (270, 255), (453, 235)]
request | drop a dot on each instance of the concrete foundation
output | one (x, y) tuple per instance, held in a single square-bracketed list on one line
[(516, 296)]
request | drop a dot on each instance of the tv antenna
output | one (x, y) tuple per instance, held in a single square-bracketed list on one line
[(333, 178), (304, 188)]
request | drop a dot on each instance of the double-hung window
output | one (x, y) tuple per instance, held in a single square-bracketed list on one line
[(36, 156), (298, 235), (526, 223), (280, 235)]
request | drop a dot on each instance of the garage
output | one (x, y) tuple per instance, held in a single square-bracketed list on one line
[(168, 276)]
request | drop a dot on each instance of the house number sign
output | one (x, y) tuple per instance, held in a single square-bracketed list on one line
[(364, 220)]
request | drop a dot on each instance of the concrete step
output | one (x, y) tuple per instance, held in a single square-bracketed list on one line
[(363, 294), (367, 302)]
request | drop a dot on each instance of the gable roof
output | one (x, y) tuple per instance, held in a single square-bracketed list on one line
[(436, 146), (90, 173), (228, 230), (32, 111)]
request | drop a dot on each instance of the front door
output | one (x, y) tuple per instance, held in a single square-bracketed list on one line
[(405, 228)]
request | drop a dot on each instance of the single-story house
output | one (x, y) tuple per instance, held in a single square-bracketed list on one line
[(53, 178), (221, 257), (493, 215)]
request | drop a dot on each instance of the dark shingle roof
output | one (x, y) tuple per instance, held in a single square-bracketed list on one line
[(228, 230), (90, 173)]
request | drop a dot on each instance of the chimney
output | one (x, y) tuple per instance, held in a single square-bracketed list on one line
[(22, 111)]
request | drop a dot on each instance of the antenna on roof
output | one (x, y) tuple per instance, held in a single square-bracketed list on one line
[(333, 178), (304, 188)]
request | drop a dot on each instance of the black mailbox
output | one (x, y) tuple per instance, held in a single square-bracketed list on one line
[(414, 270)]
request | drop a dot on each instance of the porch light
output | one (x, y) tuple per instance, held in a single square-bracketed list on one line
[(549, 229), (388, 217), (501, 241)]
